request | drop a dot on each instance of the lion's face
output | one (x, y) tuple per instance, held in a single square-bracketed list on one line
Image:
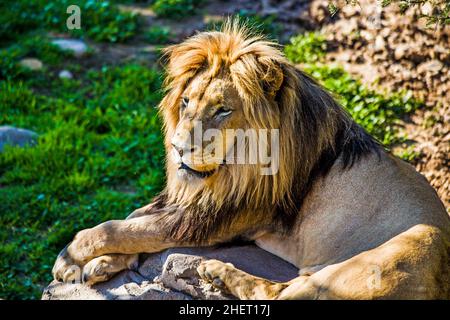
[(207, 108)]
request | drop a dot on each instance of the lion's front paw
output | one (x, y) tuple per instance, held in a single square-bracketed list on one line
[(97, 270), (215, 272), (65, 269), (105, 267)]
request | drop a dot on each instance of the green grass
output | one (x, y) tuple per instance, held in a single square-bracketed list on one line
[(176, 9), (36, 46), (100, 20), (99, 155), (100, 151), (158, 35)]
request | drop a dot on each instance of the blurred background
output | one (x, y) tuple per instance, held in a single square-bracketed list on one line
[(80, 138)]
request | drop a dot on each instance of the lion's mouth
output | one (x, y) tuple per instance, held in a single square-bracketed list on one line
[(200, 174)]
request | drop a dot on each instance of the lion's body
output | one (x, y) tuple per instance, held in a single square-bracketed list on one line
[(354, 213), (351, 211), (357, 222)]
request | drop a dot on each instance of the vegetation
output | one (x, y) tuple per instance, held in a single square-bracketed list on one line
[(99, 156), (158, 35), (101, 20), (100, 151), (176, 9), (377, 112)]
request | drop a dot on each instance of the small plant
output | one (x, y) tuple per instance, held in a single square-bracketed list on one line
[(308, 47), (96, 136), (158, 35), (176, 9), (19, 17), (408, 153)]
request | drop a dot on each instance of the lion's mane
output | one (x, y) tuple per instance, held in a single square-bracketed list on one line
[(314, 132)]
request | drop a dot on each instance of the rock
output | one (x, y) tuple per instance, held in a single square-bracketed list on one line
[(16, 137), (77, 47), (401, 50), (172, 275), (125, 286), (426, 8), (65, 74), (31, 63), (180, 273), (433, 67), (380, 44), (368, 36), (349, 26)]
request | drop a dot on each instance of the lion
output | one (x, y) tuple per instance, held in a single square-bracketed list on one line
[(357, 222)]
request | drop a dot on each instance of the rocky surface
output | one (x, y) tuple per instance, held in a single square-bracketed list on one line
[(16, 137), (172, 275)]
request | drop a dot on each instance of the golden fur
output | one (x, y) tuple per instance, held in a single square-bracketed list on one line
[(249, 60), (261, 74), (338, 205)]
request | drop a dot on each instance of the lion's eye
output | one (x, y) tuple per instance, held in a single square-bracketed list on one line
[(223, 112), (184, 103)]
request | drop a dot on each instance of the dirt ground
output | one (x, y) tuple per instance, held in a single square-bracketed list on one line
[(385, 49)]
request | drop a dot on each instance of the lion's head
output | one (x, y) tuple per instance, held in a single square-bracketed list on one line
[(231, 79)]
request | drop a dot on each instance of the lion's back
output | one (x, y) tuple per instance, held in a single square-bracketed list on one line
[(360, 208)]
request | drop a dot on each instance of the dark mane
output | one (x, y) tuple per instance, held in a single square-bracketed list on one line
[(351, 142), (320, 132), (314, 130)]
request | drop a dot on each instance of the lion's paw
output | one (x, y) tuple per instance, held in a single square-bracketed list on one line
[(65, 269), (97, 270), (105, 267), (215, 272)]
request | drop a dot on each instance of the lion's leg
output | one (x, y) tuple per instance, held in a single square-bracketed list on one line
[(242, 285), (105, 267), (99, 269), (133, 236), (143, 234), (412, 265)]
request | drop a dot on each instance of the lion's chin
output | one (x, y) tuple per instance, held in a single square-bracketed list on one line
[(188, 173)]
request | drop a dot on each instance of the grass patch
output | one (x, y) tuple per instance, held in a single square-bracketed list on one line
[(176, 9), (31, 46), (158, 35), (95, 142), (100, 20)]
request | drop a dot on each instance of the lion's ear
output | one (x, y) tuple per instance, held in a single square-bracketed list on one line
[(272, 76)]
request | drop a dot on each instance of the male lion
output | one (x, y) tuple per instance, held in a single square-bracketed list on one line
[(357, 222)]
